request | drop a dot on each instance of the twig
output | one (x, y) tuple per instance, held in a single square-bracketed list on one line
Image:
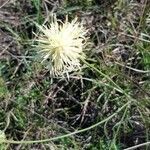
[(4, 3)]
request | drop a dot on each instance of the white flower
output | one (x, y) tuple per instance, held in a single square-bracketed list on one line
[(62, 44)]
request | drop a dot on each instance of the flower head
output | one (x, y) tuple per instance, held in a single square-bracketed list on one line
[(62, 44)]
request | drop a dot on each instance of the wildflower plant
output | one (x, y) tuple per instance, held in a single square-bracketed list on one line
[(61, 44)]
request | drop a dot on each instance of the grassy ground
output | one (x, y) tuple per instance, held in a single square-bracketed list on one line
[(106, 105)]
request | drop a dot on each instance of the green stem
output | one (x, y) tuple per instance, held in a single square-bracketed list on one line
[(137, 146), (67, 135), (108, 78)]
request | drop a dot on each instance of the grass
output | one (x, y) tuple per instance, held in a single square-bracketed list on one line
[(103, 106)]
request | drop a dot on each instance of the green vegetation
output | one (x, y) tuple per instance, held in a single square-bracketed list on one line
[(103, 106)]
